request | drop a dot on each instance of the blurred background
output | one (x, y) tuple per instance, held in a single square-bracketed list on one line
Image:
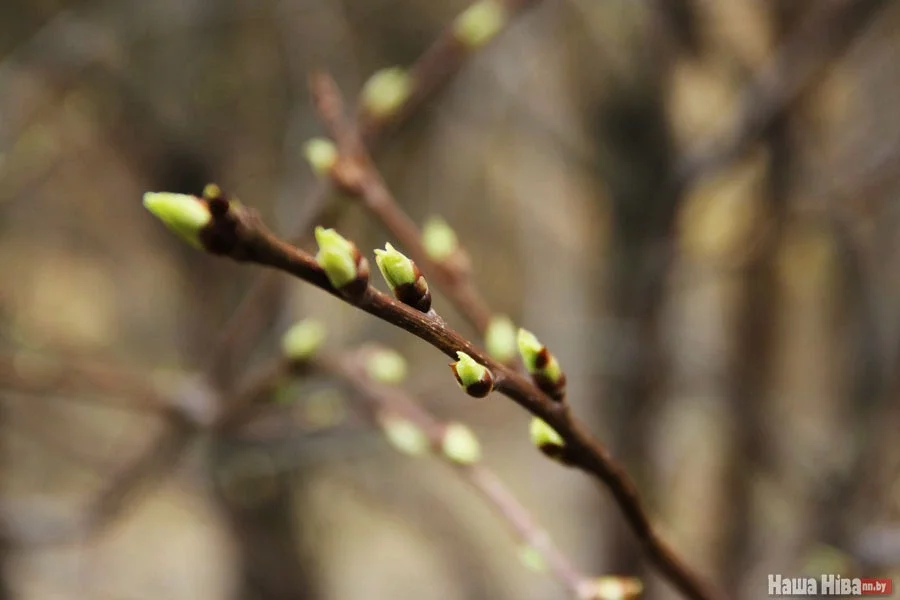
[(692, 202)]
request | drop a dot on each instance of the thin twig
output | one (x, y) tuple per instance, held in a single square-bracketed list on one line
[(433, 70), (238, 233), (452, 275), (120, 388), (391, 400)]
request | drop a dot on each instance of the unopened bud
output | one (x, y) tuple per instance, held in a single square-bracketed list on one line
[(404, 435), (476, 379), (542, 365), (185, 215), (386, 365), (386, 91), (546, 439), (404, 278), (345, 267), (460, 444), (532, 559), (500, 339), (478, 24), (439, 239), (321, 154), (302, 340)]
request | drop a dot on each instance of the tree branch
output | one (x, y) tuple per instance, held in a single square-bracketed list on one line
[(237, 232)]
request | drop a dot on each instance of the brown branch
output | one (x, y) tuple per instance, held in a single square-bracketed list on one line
[(356, 174), (120, 388), (384, 399), (238, 233), (433, 70)]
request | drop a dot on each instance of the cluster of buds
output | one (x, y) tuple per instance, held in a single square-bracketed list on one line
[(404, 278), (344, 265), (542, 365)]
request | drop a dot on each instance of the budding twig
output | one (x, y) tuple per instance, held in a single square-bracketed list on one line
[(237, 232), (386, 401), (355, 173), (428, 75)]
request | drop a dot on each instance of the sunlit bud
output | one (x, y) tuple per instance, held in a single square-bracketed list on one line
[(404, 278), (476, 379), (386, 91), (460, 444), (500, 339), (341, 260), (321, 154), (542, 365), (404, 435), (439, 239), (302, 340), (479, 23), (184, 214), (386, 365)]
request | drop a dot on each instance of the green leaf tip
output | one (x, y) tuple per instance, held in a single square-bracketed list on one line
[(302, 340), (338, 257), (405, 436), (395, 267), (184, 214), (321, 154), (386, 365), (543, 436), (475, 378), (500, 339), (480, 23), (439, 239), (460, 445), (386, 91)]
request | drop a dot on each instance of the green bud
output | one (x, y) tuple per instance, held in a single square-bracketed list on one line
[(542, 365), (476, 379), (302, 340), (321, 154), (439, 239), (184, 214), (404, 278), (211, 191), (460, 445), (479, 23), (386, 91), (610, 587), (500, 339), (338, 257), (386, 366), (404, 435), (532, 559), (543, 436), (396, 268)]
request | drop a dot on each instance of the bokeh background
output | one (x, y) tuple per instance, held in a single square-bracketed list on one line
[(693, 203)]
